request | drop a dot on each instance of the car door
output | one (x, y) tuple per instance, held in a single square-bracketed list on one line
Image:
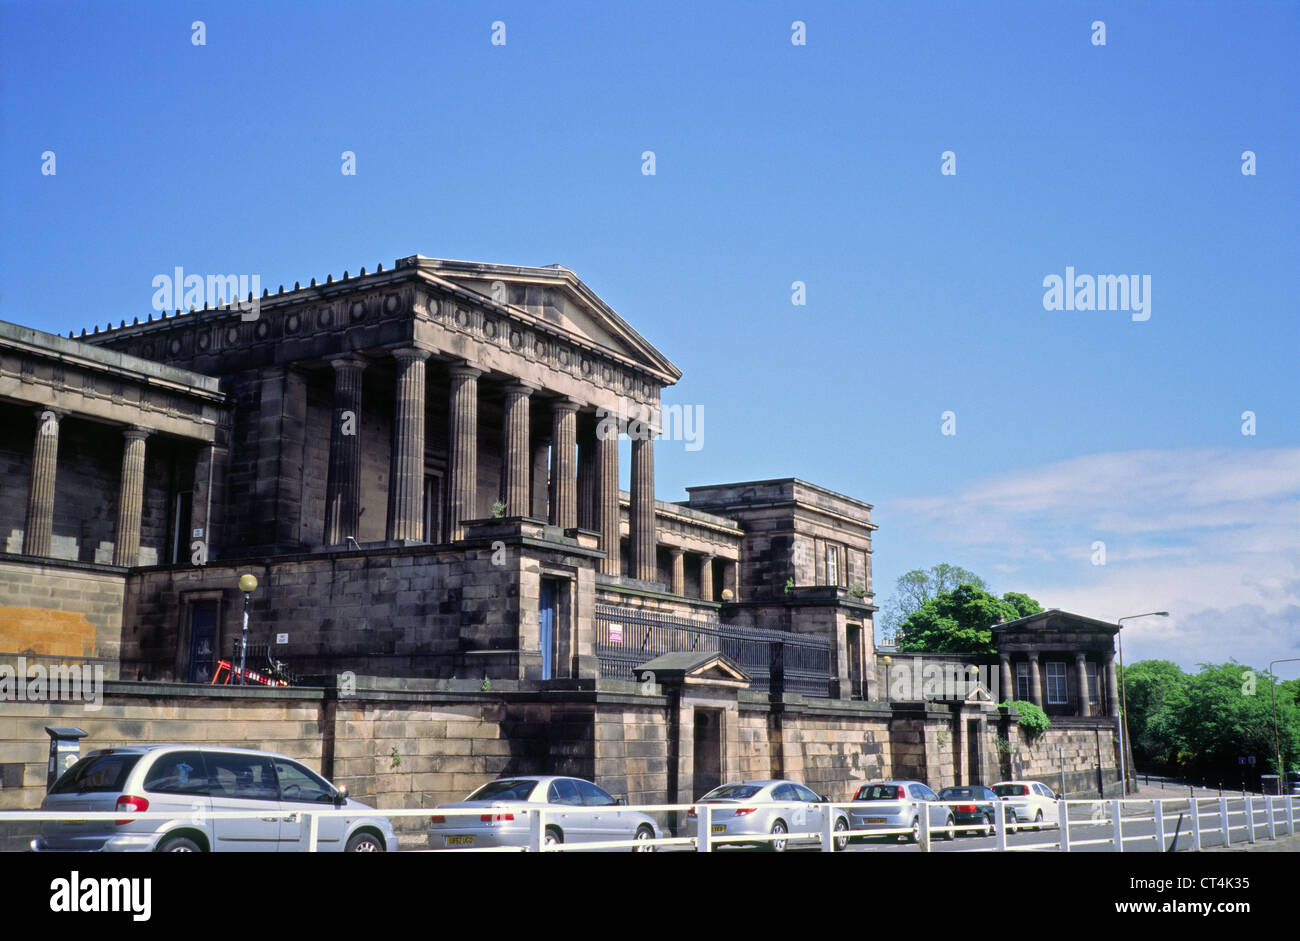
[(177, 782), (606, 820), (245, 784), (301, 790), (938, 812), (812, 802), (568, 811), (793, 809)]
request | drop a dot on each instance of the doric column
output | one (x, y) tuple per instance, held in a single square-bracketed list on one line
[(706, 577), (343, 491), (462, 489), (588, 472), (641, 543), (607, 502), (1035, 681), (406, 479), (40, 499), (130, 498), (1112, 683), (1085, 702), (515, 492), (1008, 690), (564, 464), (679, 570)]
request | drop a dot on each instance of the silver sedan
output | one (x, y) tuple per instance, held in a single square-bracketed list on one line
[(767, 809), (576, 811)]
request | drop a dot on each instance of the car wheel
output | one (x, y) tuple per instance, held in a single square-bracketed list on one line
[(553, 837), (915, 835), (841, 842), (950, 834), (988, 825), (179, 844), (1011, 820), (364, 843), (778, 845), (644, 833), (1038, 820)]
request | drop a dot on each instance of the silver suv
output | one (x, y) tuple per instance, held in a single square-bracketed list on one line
[(193, 782)]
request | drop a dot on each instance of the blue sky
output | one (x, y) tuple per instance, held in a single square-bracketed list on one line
[(775, 163)]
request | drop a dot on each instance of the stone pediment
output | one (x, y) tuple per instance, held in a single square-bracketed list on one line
[(692, 667), (979, 694), (556, 298)]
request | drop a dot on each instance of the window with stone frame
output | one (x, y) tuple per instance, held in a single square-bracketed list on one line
[(1057, 688), (832, 564)]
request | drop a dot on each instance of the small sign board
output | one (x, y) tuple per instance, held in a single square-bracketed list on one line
[(616, 633), (282, 638)]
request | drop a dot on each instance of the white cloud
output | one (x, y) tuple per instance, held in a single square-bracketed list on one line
[(1212, 536)]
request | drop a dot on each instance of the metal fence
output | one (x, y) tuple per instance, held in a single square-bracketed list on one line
[(776, 661), (1106, 825)]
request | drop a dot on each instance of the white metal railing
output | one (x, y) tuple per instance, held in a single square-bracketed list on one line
[(1096, 822)]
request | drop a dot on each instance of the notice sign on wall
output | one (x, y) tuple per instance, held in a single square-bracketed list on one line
[(616, 633)]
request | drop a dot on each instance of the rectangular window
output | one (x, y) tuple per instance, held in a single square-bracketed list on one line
[(832, 565), (1057, 694), (1022, 683)]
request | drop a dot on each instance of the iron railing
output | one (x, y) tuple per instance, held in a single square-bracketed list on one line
[(776, 661)]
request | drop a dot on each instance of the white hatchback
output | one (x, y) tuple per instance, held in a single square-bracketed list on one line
[(1034, 804)]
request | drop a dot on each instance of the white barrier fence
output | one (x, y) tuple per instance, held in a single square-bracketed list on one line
[(1254, 817)]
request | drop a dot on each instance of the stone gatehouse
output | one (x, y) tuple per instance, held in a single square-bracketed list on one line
[(421, 467)]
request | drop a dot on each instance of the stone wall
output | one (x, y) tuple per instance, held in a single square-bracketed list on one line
[(61, 612)]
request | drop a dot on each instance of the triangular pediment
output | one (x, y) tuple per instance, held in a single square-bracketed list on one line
[(557, 298), (692, 667)]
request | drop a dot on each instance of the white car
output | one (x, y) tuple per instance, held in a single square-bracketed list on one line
[(1035, 804)]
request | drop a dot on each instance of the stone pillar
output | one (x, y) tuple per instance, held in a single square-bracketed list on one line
[(588, 472), (40, 499), (706, 577), (130, 498), (641, 557), (679, 570), (343, 491), (406, 477), (462, 488), (515, 477), (1008, 691), (564, 464), (607, 502), (1035, 681), (731, 579), (1085, 703), (1112, 683)]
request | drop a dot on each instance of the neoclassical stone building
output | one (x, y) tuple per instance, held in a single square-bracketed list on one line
[(421, 466)]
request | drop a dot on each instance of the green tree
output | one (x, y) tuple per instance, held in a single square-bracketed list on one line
[(913, 589), (1147, 686), (961, 620)]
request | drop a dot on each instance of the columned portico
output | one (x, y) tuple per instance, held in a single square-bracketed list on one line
[(515, 490), (343, 491), (406, 504), (126, 544), (463, 485), (40, 499), (642, 559), (564, 466)]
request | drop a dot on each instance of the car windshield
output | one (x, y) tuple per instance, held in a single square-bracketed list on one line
[(505, 790), (1010, 790), (99, 773), (878, 792), (960, 793), (737, 792)]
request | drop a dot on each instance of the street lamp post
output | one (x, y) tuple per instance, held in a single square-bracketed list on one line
[(1123, 709), (248, 585)]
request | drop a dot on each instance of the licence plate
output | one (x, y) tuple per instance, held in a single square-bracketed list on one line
[(460, 841), (875, 820), (718, 828)]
